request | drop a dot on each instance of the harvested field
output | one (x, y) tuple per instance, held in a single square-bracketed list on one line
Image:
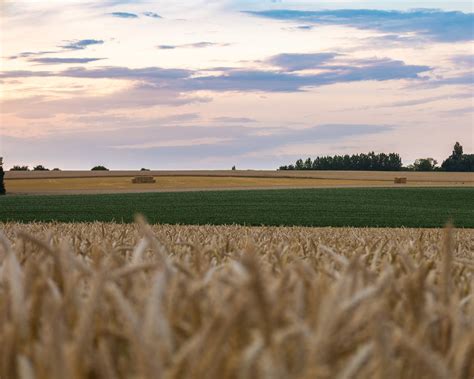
[(169, 183), (120, 181), (133, 301)]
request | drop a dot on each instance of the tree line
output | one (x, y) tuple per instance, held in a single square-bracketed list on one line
[(457, 161)]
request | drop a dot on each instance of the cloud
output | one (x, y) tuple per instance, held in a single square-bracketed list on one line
[(154, 76), (466, 61), (234, 120), (278, 81), (458, 112), (235, 79), (64, 60), (123, 15), (195, 45), (174, 143), (466, 78), (81, 44), (437, 25), (297, 62), (167, 47), (115, 122), (70, 45), (27, 54), (136, 97), (152, 14), (425, 100)]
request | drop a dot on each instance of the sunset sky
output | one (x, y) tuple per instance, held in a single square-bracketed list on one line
[(201, 84)]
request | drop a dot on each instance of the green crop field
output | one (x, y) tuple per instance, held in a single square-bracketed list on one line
[(371, 207)]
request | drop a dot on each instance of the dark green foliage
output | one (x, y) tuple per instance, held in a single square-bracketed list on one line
[(40, 168), (425, 164), (99, 168), (458, 161), (20, 168), (145, 169), (2, 182), (233, 168), (359, 207), (368, 162)]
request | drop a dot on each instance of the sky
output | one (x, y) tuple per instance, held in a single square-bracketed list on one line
[(208, 84)]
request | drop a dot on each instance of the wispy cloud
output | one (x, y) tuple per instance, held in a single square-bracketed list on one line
[(465, 61), (182, 142), (236, 79), (437, 25), (233, 120), (123, 15), (195, 45), (152, 14), (137, 97), (81, 44), (64, 60), (69, 45), (280, 81), (297, 62)]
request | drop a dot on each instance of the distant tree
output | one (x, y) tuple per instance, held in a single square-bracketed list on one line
[(458, 161), (457, 150), (370, 161), (425, 164), (145, 169), (40, 168), (56, 169), (308, 164), (233, 168), (299, 164), (20, 168), (99, 168), (2, 175)]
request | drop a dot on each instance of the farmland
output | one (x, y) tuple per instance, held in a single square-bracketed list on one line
[(358, 207), (130, 300), (67, 182)]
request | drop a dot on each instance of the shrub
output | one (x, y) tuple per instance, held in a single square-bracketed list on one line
[(99, 168), (20, 168), (145, 169), (40, 168)]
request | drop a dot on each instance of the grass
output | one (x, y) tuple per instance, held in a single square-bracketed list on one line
[(116, 301), (377, 207)]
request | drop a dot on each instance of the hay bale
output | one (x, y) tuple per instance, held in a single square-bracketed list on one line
[(143, 180), (400, 180)]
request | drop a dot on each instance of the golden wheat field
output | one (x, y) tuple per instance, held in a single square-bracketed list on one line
[(138, 301), (30, 182), (171, 183)]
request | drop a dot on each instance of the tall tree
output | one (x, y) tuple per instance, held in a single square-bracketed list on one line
[(457, 151), (2, 175), (458, 161)]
